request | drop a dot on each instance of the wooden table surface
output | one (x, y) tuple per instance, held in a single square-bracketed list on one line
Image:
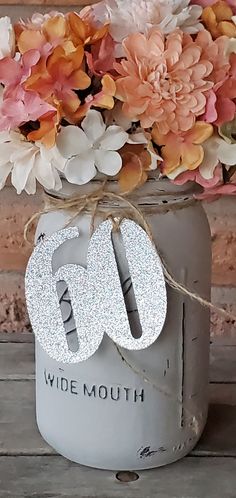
[(29, 468)]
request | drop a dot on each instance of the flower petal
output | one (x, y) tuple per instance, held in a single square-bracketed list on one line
[(211, 159), (5, 170), (81, 169), (192, 155), (21, 171), (131, 174), (44, 172), (31, 185), (200, 132), (93, 125), (108, 162), (137, 137), (227, 153), (114, 138), (71, 141)]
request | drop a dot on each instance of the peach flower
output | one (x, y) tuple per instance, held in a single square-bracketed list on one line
[(163, 80), (183, 151)]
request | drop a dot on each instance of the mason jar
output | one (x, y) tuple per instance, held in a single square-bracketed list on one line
[(131, 410)]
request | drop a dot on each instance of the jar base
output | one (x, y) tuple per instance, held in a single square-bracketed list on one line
[(158, 461)]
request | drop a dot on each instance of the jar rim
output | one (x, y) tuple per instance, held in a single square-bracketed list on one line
[(154, 187)]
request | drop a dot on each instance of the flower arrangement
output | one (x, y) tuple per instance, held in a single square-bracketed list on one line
[(120, 89)]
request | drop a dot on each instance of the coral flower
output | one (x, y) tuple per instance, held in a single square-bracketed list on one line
[(218, 19), (183, 151), (58, 76), (169, 76), (137, 161), (83, 32)]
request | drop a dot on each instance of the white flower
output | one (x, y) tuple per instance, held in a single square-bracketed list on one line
[(28, 162), (132, 16), (90, 149), (7, 38), (216, 151)]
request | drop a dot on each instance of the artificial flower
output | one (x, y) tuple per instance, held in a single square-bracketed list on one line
[(218, 19), (22, 107), (170, 78), (47, 128), (28, 163), (58, 77), (219, 105), (183, 151), (19, 106), (50, 33), (213, 188), (90, 149), (7, 38), (215, 152), (101, 58), (138, 159), (226, 95), (83, 32), (132, 17), (103, 99)]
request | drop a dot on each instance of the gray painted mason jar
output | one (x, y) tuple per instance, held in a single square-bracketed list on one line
[(130, 410)]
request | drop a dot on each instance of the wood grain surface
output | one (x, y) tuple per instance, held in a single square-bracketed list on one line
[(29, 468)]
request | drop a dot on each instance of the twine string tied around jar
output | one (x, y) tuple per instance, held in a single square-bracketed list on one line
[(92, 203)]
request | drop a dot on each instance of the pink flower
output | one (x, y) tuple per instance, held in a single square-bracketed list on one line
[(21, 107), (214, 193), (18, 105), (14, 72), (101, 58), (226, 95), (213, 188), (163, 80)]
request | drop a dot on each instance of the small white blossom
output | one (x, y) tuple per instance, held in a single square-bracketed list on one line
[(90, 149)]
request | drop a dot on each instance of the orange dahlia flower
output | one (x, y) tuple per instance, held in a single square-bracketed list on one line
[(218, 19), (163, 80)]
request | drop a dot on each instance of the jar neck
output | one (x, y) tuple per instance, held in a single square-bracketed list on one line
[(154, 191)]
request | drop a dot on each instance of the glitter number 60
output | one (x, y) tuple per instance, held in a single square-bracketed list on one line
[(97, 294)]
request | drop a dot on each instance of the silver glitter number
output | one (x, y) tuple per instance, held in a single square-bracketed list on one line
[(96, 294)]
